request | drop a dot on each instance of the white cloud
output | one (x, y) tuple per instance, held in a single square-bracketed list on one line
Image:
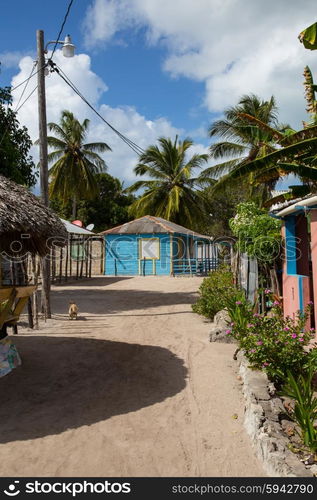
[(59, 96), (234, 46), (11, 59)]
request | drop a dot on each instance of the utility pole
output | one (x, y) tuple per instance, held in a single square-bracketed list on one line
[(45, 261)]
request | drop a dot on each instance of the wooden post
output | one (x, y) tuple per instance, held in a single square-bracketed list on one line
[(70, 253), (43, 160), (61, 264), (35, 272), (90, 258), (87, 253), (102, 258), (171, 256), (66, 263), (82, 258), (77, 258)]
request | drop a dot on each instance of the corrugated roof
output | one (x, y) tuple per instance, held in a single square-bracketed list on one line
[(150, 224), (72, 228)]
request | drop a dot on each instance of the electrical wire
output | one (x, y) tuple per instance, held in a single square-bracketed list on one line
[(137, 149), (26, 84), (62, 27), (16, 111), (24, 81), (27, 98), (18, 106)]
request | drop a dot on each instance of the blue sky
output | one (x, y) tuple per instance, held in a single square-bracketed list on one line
[(159, 67)]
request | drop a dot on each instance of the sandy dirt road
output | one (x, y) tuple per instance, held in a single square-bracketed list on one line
[(132, 388)]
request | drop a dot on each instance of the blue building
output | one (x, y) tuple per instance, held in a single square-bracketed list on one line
[(154, 246)]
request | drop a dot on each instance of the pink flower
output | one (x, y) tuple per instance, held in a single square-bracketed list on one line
[(256, 315), (259, 342), (249, 325), (312, 329), (286, 329), (238, 302), (265, 364), (232, 324), (276, 303), (252, 350), (300, 339), (267, 291), (310, 303), (228, 332), (294, 336)]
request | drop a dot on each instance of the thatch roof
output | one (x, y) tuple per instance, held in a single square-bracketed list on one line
[(149, 224), (24, 219)]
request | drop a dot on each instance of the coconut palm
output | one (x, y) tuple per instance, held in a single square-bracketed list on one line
[(73, 174), (169, 185), (249, 130), (296, 154)]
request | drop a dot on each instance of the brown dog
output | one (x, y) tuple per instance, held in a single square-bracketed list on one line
[(73, 310)]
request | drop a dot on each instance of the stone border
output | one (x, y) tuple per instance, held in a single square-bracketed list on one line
[(261, 420)]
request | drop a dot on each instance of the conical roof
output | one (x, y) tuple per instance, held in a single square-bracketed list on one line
[(26, 225), (151, 224)]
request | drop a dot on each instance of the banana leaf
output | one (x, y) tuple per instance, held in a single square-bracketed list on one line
[(309, 37)]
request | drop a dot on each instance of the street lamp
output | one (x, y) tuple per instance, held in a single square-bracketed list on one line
[(68, 47), (68, 51)]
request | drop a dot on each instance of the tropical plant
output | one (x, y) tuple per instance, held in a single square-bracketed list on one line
[(215, 292), (73, 174), (274, 343), (300, 389), (107, 209), (259, 235), (296, 153), (15, 144), (170, 186), (248, 131)]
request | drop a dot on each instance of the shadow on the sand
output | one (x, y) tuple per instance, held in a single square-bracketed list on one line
[(65, 383), (94, 281)]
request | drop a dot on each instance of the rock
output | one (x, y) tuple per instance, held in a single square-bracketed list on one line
[(313, 469), (273, 437), (219, 328)]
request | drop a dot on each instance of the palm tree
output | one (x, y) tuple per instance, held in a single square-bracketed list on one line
[(249, 130), (170, 188), (296, 154), (73, 174)]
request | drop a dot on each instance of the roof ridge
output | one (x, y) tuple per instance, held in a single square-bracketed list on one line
[(124, 224), (152, 217)]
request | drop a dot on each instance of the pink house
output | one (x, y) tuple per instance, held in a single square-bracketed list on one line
[(300, 262)]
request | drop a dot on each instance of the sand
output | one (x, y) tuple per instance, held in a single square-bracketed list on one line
[(132, 388)]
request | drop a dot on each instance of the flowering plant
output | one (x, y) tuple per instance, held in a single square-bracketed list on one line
[(275, 344)]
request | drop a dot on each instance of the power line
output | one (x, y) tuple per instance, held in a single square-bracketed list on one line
[(26, 80), (18, 106), (16, 111), (26, 84), (62, 27), (137, 149), (28, 97)]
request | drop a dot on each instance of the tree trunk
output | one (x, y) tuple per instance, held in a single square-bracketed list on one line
[(74, 211)]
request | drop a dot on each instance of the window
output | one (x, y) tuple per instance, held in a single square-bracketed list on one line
[(149, 248)]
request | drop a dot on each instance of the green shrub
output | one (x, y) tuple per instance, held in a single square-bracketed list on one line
[(300, 389), (274, 344), (215, 291), (239, 310)]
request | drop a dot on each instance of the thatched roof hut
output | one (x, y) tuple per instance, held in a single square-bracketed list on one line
[(27, 222)]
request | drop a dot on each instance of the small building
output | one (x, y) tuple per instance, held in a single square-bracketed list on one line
[(154, 246), (299, 232)]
